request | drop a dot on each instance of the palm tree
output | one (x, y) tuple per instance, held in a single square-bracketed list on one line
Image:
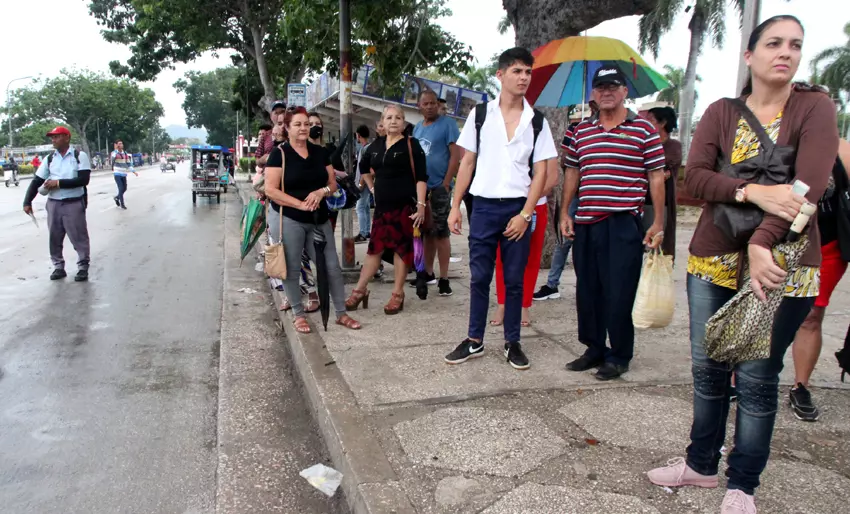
[(708, 19), (831, 67), (676, 77), (480, 79)]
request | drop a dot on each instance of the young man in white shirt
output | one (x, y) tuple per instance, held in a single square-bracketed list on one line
[(506, 191)]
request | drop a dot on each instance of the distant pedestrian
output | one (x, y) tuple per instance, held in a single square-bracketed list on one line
[(438, 136), (364, 203), (664, 120), (122, 162), (13, 168), (611, 162), (36, 162), (510, 175), (63, 177)]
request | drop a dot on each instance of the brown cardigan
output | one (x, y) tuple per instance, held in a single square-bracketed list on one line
[(808, 123)]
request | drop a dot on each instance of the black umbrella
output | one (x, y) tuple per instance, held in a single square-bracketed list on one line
[(322, 285)]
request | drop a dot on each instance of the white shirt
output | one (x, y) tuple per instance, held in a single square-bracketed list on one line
[(63, 168), (502, 165)]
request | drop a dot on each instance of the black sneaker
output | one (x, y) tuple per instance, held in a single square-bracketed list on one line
[(801, 403), (124, 207), (360, 238), (610, 371), (445, 288), (117, 203), (546, 293), (82, 275), (429, 279), (466, 350), (57, 274), (515, 357)]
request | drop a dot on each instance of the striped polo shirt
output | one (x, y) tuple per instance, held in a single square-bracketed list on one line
[(121, 163), (613, 165)]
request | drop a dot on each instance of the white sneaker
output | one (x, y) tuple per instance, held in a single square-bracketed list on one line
[(738, 502)]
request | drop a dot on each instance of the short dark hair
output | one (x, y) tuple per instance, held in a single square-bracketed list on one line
[(266, 126), (118, 141), (667, 117), (363, 131), (313, 113), (514, 55), (428, 91)]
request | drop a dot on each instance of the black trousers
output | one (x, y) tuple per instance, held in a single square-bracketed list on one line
[(608, 255)]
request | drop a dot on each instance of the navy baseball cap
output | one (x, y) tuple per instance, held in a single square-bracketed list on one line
[(609, 75), (278, 104)]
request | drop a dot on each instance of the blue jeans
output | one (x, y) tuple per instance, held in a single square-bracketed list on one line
[(485, 235), (559, 257), (757, 384), (364, 213), (121, 182)]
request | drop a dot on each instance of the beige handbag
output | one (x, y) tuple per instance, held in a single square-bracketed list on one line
[(275, 260)]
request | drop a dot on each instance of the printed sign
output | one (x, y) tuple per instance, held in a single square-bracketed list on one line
[(296, 95)]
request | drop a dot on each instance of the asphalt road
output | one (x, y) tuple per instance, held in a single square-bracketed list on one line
[(109, 389)]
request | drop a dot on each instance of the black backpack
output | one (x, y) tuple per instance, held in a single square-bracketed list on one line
[(536, 126), (77, 157)]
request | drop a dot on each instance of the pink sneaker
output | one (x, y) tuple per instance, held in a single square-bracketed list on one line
[(677, 473), (737, 502)]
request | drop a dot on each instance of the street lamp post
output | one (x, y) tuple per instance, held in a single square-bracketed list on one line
[(9, 106), (345, 216), (752, 11), (236, 134)]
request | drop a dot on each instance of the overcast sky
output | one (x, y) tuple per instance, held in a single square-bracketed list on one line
[(28, 50)]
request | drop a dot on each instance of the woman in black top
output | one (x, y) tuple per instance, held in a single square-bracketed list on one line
[(399, 193), (664, 120), (299, 210)]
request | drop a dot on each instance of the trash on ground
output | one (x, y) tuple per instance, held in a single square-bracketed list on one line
[(323, 478), (667, 490), (259, 267), (248, 290)]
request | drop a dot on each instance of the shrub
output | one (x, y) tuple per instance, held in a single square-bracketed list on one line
[(26, 169), (247, 164)]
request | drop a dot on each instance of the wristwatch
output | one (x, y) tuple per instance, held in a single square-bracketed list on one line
[(741, 194), (525, 216)]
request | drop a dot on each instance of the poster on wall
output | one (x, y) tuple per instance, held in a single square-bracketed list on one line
[(468, 101), (359, 81), (450, 95), (296, 95)]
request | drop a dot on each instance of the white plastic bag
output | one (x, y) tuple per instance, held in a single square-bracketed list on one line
[(323, 478), (655, 295)]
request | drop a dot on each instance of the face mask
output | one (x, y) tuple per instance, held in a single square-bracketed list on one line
[(316, 132)]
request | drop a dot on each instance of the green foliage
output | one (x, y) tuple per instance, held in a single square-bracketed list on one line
[(711, 14), (26, 169), (831, 67), (81, 100), (186, 141), (34, 134), (205, 94), (247, 164), (282, 39), (676, 77)]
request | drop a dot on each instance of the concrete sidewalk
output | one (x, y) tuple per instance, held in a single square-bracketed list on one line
[(413, 434)]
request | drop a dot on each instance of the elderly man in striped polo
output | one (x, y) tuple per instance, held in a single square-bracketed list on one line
[(610, 161)]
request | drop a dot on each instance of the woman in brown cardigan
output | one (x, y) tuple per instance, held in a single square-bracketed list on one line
[(791, 116)]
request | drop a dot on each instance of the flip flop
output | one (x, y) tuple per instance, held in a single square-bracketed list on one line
[(495, 323)]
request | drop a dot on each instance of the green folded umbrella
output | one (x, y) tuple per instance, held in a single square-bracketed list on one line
[(253, 225)]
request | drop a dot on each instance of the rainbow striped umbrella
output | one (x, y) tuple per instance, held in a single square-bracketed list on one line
[(563, 70)]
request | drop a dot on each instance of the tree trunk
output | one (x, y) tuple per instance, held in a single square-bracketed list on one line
[(537, 22), (259, 57), (81, 130), (687, 98)]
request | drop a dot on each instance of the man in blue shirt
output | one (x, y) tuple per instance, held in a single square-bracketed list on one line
[(64, 176), (437, 135)]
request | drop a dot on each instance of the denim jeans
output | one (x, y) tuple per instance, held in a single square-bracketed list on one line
[(559, 257), (364, 213), (121, 182), (757, 384), (486, 234)]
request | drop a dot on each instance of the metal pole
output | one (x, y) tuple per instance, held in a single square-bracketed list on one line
[(9, 106), (99, 148), (345, 216), (752, 10)]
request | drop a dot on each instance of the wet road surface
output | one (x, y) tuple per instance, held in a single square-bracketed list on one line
[(109, 389)]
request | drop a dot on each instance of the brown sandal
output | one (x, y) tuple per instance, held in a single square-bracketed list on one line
[(357, 297), (312, 303), (285, 306), (301, 325), (348, 322), (395, 305)]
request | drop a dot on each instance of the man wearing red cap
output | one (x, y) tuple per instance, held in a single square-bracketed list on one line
[(63, 177)]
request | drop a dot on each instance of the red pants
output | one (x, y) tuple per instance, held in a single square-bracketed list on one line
[(533, 267), (832, 268)]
